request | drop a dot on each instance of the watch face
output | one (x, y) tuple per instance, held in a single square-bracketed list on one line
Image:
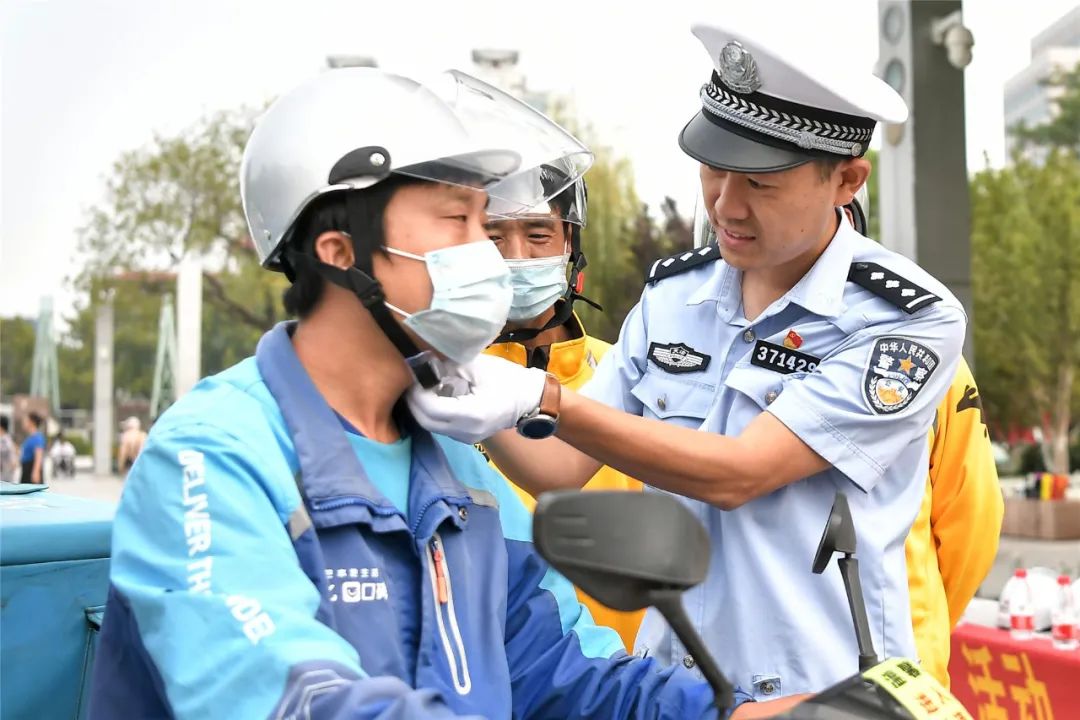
[(538, 428)]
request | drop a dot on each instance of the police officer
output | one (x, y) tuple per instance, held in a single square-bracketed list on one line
[(290, 543), (543, 249), (808, 360)]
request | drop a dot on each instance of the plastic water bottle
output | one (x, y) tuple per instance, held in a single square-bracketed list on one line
[(1021, 608), (1065, 617)]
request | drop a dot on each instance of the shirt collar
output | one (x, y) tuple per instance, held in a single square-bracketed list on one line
[(820, 290), (565, 360)]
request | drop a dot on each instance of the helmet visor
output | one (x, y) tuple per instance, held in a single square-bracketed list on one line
[(562, 198), (498, 137)]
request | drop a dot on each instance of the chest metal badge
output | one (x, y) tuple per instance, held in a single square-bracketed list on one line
[(678, 357)]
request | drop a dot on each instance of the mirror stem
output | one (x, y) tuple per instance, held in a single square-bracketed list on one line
[(669, 603), (849, 570)]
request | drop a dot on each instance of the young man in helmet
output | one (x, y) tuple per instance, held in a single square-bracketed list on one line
[(954, 539), (542, 248), (290, 543), (809, 360)]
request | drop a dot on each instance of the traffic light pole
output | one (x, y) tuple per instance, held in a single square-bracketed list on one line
[(923, 180)]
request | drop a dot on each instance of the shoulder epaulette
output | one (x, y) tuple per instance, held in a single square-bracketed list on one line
[(889, 286), (681, 262)]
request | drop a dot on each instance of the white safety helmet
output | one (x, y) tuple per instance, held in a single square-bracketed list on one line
[(570, 205), (563, 198), (350, 128)]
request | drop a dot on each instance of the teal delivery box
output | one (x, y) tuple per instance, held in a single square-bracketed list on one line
[(54, 578)]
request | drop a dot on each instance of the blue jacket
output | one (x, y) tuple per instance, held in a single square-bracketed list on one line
[(257, 572)]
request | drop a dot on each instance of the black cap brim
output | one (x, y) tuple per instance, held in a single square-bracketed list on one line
[(709, 142)]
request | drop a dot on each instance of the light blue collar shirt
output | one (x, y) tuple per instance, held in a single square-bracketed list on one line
[(858, 380)]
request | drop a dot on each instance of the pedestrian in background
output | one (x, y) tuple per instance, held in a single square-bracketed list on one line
[(33, 450), (131, 444), (7, 451), (62, 455)]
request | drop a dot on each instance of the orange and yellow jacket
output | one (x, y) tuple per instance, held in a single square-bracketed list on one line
[(954, 539), (573, 362)]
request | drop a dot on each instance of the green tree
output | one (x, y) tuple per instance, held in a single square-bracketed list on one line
[(136, 299), (1026, 268), (181, 195), (16, 355), (1063, 128), (178, 196), (613, 277), (873, 209), (75, 367)]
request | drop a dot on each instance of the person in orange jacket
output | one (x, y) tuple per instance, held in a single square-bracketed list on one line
[(543, 249), (954, 539)]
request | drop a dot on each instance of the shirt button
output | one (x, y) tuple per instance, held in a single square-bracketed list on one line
[(748, 336), (767, 688), (661, 402), (770, 397), (688, 662), (463, 513)]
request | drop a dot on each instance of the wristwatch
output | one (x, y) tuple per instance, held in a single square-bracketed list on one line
[(543, 421)]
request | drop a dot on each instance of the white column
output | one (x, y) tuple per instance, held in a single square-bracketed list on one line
[(188, 324), (104, 425)]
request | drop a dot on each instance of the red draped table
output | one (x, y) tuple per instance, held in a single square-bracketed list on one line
[(999, 678)]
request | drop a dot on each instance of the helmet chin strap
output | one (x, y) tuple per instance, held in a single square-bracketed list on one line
[(359, 280), (564, 306), (858, 216), (370, 293)]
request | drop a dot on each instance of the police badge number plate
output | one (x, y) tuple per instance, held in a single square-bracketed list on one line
[(782, 359), (897, 371), (678, 357)]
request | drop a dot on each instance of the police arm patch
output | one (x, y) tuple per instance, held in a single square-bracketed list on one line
[(897, 371)]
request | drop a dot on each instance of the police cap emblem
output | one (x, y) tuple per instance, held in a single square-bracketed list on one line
[(738, 69)]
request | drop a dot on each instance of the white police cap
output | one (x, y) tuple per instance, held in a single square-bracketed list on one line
[(772, 105)]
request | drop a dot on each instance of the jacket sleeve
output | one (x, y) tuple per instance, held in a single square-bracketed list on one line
[(203, 563), (967, 506), (562, 664)]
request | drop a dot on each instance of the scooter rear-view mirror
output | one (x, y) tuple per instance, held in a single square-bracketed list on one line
[(631, 551)]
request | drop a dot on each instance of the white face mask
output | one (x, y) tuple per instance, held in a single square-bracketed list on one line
[(537, 284), (470, 301)]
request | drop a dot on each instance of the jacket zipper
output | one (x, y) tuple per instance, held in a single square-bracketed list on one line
[(442, 591)]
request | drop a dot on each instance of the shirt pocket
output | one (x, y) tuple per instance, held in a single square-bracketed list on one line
[(665, 397), (760, 386)]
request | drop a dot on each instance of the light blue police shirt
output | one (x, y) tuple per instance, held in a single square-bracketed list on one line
[(858, 381)]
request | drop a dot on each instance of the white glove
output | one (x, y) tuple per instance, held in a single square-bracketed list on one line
[(476, 400)]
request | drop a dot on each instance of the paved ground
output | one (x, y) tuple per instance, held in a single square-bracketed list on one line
[(95, 487), (1060, 556)]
